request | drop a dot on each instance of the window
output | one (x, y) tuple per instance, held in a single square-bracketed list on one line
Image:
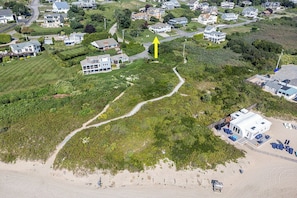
[(253, 128)]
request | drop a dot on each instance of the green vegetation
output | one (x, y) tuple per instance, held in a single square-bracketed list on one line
[(31, 73), (41, 102), (5, 38)]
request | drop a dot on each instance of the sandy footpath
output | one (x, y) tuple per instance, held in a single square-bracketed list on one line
[(264, 176)]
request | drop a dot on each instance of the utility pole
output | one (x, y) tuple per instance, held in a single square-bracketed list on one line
[(123, 35), (184, 49), (104, 23)]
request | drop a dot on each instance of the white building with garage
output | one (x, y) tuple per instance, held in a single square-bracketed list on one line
[(248, 124)]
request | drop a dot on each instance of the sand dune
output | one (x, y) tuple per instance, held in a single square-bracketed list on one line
[(264, 175)]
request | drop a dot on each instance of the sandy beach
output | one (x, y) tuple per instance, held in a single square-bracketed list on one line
[(266, 173)]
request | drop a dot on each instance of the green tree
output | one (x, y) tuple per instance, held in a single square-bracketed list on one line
[(123, 18), (97, 17), (168, 17)]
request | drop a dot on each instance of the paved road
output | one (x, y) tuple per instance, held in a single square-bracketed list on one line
[(181, 34), (35, 12)]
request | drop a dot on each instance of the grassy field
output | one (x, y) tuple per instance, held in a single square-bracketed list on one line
[(37, 119), (31, 73), (240, 29)]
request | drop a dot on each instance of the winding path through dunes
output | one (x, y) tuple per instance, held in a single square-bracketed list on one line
[(49, 163)]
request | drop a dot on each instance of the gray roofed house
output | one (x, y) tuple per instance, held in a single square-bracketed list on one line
[(6, 15), (74, 38), (26, 48), (272, 86), (178, 21), (60, 7), (250, 12), (229, 16), (105, 44)]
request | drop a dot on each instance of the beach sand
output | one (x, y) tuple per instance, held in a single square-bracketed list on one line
[(266, 173)]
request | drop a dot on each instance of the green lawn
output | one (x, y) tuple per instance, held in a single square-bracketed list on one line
[(31, 73)]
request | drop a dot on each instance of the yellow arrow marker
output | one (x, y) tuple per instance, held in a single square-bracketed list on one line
[(156, 43)]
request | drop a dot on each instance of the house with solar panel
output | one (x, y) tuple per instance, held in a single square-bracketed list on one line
[(287, 92)]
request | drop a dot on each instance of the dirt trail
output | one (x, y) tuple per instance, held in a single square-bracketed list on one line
[(49, 163)]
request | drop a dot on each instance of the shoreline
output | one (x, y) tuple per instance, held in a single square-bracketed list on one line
[(263, 175)]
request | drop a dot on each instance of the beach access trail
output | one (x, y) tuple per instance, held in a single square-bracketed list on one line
[(49, 163)]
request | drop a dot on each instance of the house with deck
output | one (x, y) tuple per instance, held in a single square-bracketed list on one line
[(160, 28), (30, 48), (53, 20), (212, 35), (183, 21), (105, 44), (96, 64)]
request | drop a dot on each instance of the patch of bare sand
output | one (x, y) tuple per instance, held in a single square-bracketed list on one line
[(264, 176)]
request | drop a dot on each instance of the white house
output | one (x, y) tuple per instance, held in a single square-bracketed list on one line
[(229, 16), (212, 35), (203, 6), (119, 58), (170, 5), (105, 44), (26, 48), (96, 64), (248, 124), (250, 12), (160, 28), (207, 19), (85, 3), (272, 5), (293, 1), (193, 4), (53, 20), (74, 38), (6, 16), (61, 7), (178, 21), (227, 4)]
